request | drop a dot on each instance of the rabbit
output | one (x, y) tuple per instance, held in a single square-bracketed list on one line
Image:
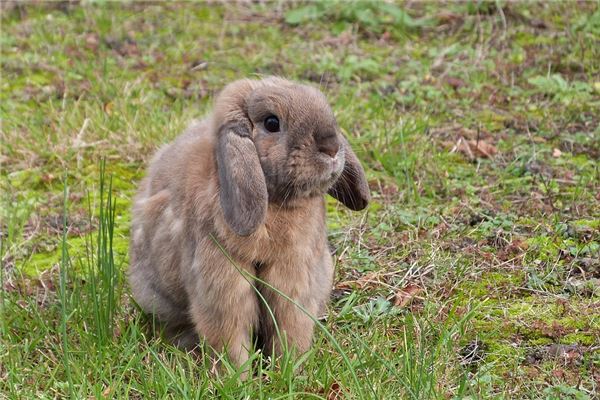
[(244, 188)]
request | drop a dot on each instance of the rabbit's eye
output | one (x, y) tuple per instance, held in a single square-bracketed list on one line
[(272, 124)]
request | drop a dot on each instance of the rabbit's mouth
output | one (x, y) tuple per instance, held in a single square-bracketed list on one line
[(337, 165), (303, 175), (315, 183)]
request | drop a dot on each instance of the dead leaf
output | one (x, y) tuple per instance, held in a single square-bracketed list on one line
[(475, 148), (406, 294), (92, 41), (558, 373), (342, 40), (335, 392), (556, 153), (364, 281), (484, 148), (448, 17), (455, 83), (48, 178), (385, 37)]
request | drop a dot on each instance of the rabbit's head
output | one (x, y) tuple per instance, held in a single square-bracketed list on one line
[(279, 142)]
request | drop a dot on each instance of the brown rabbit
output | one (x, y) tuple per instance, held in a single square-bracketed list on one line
[(251, 178)]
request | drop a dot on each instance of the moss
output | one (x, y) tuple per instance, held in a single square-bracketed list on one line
[(78, 248), (587, 223), (40, 262), (509, 321), (25, 179), (492, 285), (581, 338), (78, 251), (541, 341)]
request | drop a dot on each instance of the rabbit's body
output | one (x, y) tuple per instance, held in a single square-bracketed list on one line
[(188, 241)]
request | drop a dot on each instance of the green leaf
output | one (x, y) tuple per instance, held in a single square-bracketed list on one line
[(303, 14), (400, 16)]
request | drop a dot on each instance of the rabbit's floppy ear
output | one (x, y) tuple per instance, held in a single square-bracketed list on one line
[(351, 188), (243, 191)]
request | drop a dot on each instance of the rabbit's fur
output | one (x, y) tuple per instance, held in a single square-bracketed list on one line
[(259, 195)]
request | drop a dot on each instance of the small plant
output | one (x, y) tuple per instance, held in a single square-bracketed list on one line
[(559, 89), (589, 23), (351, 67), (370, 16), (565, 392)]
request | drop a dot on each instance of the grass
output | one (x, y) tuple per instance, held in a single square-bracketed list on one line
[(473, 274)]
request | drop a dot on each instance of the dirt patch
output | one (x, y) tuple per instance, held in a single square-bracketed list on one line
[(53, 224), (571, 355), (473, 353)]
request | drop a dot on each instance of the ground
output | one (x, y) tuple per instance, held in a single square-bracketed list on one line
[(474, 273)]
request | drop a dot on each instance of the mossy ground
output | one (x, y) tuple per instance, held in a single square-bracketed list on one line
[(474, 272)]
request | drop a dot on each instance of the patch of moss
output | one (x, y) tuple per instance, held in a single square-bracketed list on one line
[(587, 223), (509, 322), (541, 341), (581, 338), (492, 285), (79, 247)]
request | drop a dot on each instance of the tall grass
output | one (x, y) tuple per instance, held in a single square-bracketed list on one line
[(98, 291), (101, 273), (64, 303)]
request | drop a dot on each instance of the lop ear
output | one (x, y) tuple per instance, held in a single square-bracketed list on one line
[(243, 191), (351, 188)]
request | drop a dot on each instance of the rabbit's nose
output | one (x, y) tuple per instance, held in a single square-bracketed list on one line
[(329, 145)]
